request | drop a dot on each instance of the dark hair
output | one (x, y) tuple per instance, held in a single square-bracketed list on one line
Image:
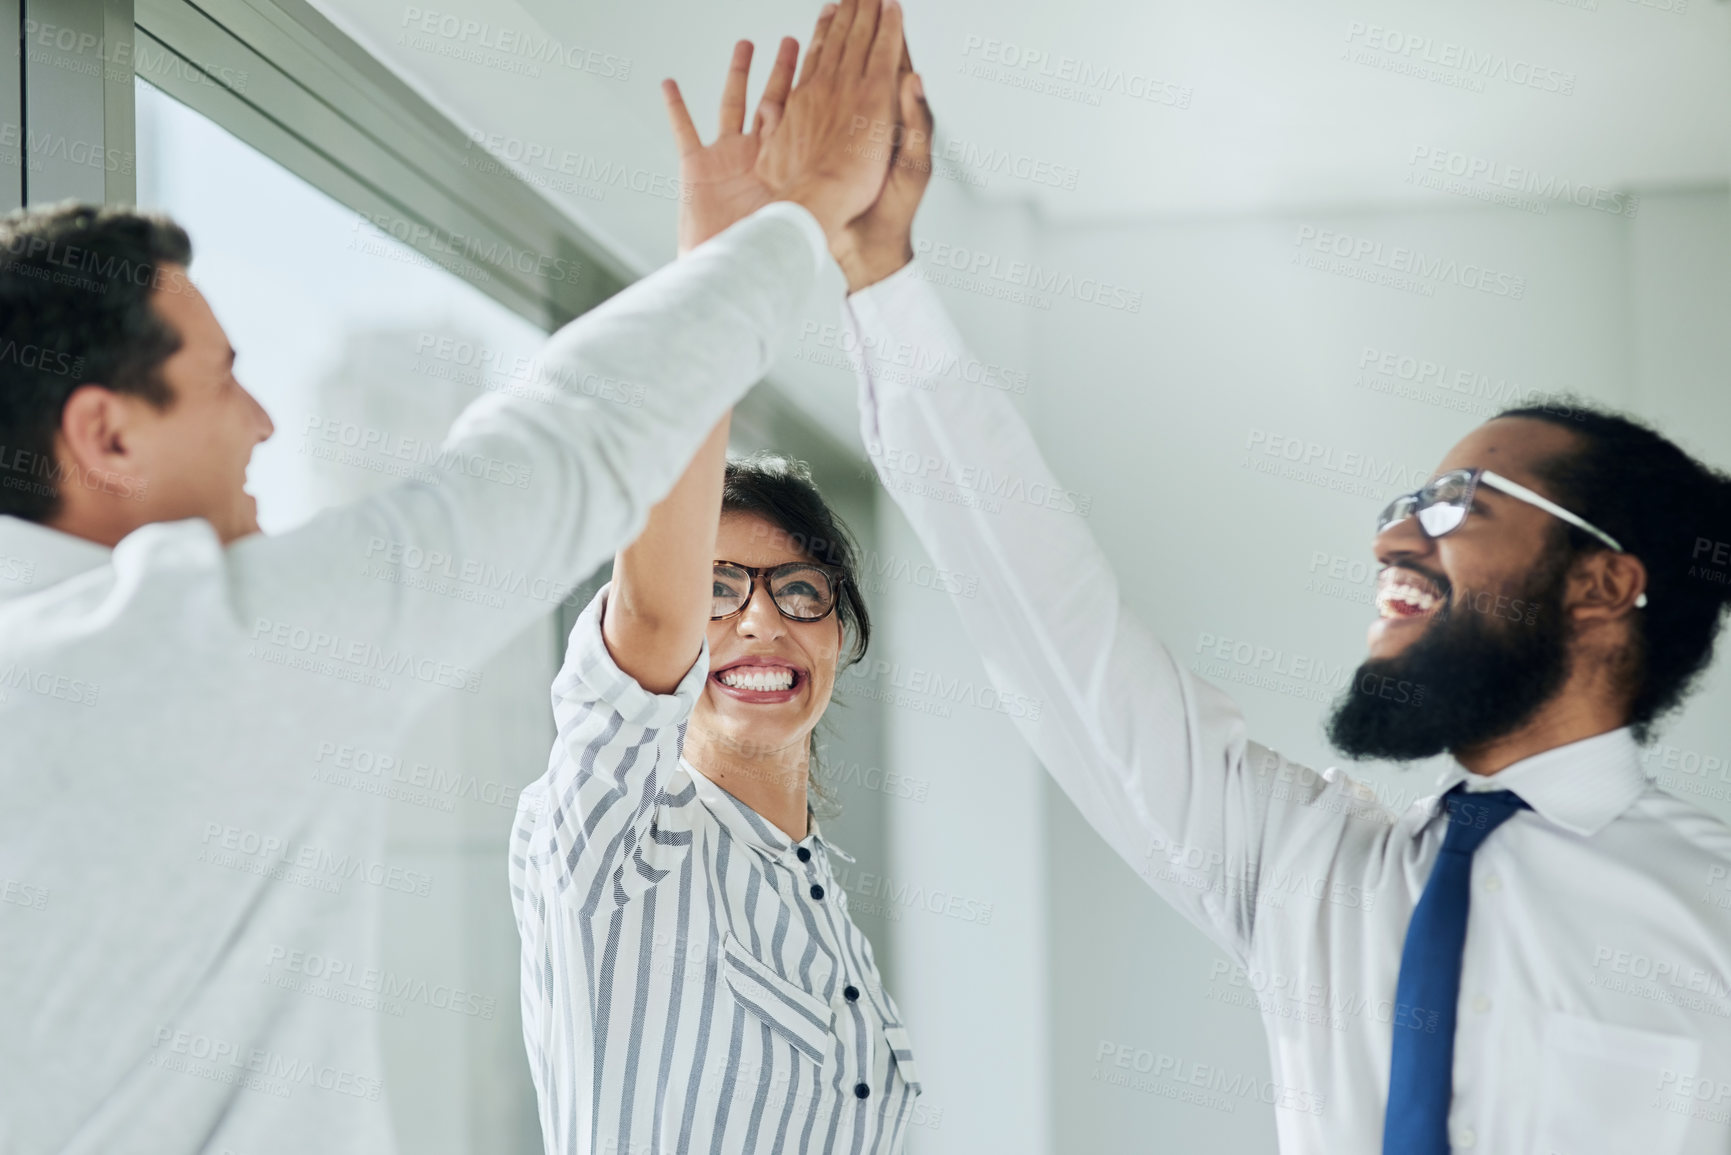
[(75, 288), (780, 490), (1665, 508)]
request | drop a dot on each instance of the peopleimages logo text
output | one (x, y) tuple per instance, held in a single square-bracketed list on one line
[(524, 45), (1477, 64), (894, 463), (487, 251), (1543, 187), (1027, 275), (364, 655), (1086, 78), (386, 445), (1400, 259)]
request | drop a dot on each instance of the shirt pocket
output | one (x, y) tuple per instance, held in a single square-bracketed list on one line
[(902, 1051), (795, 1014), (1600, 1088)]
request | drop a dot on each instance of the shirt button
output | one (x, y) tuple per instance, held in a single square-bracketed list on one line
[(861, 1091), (1466, 1139), (1481, 1004), (804, 854), (816, 891), (1492, 882), (850, 992)]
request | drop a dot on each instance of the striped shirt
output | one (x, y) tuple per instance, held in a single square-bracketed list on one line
[(691, 979)]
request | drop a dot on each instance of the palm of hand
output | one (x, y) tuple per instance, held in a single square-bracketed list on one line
[(719, 186)]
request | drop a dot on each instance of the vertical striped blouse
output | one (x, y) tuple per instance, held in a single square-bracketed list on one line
[(691, 979)]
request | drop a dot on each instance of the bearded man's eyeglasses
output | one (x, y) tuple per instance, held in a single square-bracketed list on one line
[(1441, 506)]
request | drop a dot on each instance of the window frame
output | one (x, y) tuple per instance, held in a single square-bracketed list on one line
[(66, 117), (11, 106), (286, 81)]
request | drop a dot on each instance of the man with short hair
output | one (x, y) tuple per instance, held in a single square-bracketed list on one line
[(1533, 960), (170, 679)]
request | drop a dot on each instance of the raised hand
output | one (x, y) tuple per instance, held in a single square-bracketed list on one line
[(820, 154), (880, 240), (720, 180)]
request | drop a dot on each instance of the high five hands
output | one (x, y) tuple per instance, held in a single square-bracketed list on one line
[(850, 141)]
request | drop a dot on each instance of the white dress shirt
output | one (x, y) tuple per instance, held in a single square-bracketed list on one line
[(171, 711), (1594, 1015), (692, 981)]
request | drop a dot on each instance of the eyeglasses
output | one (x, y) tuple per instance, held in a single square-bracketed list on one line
[(1441, 506), (802, 591)]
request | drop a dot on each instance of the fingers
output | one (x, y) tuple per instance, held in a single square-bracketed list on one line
[(835, 42), (888, 46), (684, 132), (733, 93), (780, 84), (814, 51), (859, 38), (916, 154)]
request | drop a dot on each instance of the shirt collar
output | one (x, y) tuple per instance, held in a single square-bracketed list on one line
[(750, 827), (1580, 786), (34, 557)]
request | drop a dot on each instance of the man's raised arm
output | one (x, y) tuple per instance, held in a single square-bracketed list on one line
[(1157, 760)]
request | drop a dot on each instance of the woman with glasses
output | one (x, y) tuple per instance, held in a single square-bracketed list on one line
[(691, 978)]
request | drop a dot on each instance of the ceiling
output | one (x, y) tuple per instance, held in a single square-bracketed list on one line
[(1165, 108)]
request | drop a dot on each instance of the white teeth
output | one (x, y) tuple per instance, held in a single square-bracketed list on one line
[(758, 678), (1404, 593)]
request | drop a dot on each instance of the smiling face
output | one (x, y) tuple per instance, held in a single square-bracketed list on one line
[(1492, 555), (770, 678), (1473, 632), (133, 459), (194, 455)]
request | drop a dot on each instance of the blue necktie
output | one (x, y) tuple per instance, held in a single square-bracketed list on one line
[(1421, 1080)]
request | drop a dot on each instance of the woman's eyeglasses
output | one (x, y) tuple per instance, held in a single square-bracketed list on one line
[(802, 591)]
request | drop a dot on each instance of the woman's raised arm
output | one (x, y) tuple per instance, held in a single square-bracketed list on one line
[(658, 606)]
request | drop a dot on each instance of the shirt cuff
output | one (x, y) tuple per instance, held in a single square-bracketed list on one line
[(814, 234), (905, 304), (591, 674)]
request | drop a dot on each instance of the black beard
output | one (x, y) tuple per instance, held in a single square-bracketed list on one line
[(1477, 676)]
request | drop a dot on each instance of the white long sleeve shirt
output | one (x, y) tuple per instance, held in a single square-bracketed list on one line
[(170, 842), (1594, 1015), (692, 980)]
